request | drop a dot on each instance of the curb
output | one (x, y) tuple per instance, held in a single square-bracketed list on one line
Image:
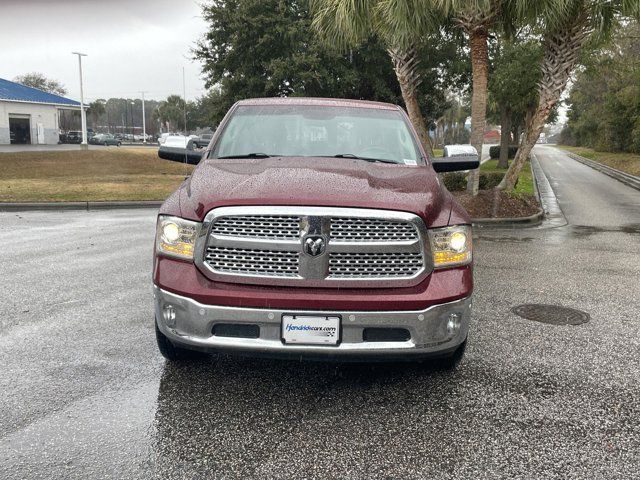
[(553, 216), (31, 206), (529, 221), (623, 177)]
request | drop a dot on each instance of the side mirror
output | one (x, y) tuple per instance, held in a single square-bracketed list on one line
[(182, 155), (456, 158), (179, 148)]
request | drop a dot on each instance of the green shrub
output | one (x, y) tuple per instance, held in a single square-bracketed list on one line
[(455, 181), (489, 180), (494, 151)]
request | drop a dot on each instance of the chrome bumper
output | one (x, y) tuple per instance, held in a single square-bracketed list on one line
[(192, 327)]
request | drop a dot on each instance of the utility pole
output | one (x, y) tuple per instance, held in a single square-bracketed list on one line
[(144, 122), (184, 97), (83, 114)]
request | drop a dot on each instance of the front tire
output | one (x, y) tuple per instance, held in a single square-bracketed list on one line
[(172, 353), (451, 362)]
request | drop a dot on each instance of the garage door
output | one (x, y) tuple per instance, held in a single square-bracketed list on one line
[(20, 128)]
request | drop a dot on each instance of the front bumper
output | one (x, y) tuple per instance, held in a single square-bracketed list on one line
[(193, 324)]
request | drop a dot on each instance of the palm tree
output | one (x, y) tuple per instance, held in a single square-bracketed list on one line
[(403, 24), (405, 64), (476, 18), (172, 112), (344, 23), (568, 25), (96, 110)]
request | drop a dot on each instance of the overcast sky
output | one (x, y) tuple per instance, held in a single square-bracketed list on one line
[(132, 45)]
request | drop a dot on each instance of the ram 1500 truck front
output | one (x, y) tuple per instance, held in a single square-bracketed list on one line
[(314, 228)]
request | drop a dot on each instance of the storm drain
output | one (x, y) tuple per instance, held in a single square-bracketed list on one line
[(551, 314)]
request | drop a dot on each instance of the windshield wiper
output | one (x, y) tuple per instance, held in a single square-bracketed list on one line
[(248, 155), (367, 159)]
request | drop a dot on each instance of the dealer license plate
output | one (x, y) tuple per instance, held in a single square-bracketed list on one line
[(310, 330)]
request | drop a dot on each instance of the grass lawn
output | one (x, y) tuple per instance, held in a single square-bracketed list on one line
[(115, 174), (627, 162), (88, 175), (525, 182)]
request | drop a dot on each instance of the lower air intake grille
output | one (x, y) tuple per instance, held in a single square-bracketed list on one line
[(236, 330), (385, 335)]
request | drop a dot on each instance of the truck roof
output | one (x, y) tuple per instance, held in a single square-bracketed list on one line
[(329, 102)]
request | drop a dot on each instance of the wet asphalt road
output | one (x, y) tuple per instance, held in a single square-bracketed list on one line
[(86, 395)]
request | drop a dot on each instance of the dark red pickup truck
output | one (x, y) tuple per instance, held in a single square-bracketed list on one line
[(314, 228)]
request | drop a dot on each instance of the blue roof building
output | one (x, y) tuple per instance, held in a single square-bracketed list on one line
[(30, 115)]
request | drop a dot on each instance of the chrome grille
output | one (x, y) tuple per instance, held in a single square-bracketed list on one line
[(374, 265), (371, 230), (258, 226), (362, 247), (253, 262)]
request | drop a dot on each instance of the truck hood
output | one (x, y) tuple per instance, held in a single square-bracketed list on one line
[(315, 181)]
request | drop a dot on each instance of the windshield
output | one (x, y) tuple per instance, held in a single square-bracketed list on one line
[(318, 131)]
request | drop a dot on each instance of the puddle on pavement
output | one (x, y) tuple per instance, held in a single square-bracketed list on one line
[(582, 231), (504, 239), (560, 233), (631, 228)]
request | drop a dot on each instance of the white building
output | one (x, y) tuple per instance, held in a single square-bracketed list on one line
[(29, 115)]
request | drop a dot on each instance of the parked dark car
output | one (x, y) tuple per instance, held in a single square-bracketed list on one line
[(314, 228), (104, 139), (73, 136)]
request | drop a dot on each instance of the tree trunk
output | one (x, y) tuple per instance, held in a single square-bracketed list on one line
[(505, 134), (561, 55), (405, 62), (480, 72), (516, 130)]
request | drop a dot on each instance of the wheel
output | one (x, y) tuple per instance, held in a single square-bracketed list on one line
[(119, 143), (171, 352), (446, 363), (451, 362), (106, 144)]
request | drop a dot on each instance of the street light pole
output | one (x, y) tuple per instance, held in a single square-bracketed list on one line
[(144, 122), (83, 114), (132, 123)]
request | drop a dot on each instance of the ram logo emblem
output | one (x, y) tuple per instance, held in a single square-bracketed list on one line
[(314, 245)]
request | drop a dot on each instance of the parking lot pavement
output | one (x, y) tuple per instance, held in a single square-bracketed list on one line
[(86, 395)]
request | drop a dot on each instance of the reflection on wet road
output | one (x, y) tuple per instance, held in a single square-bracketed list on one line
[(85, 395)]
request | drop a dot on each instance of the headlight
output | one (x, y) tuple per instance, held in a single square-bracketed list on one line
[(451, 246), (176, 237)]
